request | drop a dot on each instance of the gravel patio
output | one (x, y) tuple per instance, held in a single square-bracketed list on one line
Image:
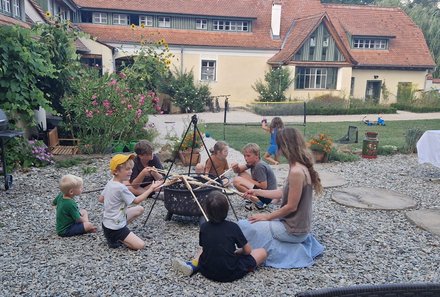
[(362, 246)]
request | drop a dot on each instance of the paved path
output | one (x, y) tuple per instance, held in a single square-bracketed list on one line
[(174, 124)]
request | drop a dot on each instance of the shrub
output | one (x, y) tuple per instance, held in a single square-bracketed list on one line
[(185, 94), (24, 154), (336, 155), (411, 137), (277, 80), (386, 150), (321, 143), (103, 109)]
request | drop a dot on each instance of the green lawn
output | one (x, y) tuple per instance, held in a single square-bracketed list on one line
[(391, 134)]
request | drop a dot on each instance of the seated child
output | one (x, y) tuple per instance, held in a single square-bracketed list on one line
[(219, 258), (218, 157), (117, 198), (70, 220), (143, 170), (261, 176)]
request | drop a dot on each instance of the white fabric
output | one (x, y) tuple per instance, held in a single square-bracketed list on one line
[(428, 148), (116, 199)]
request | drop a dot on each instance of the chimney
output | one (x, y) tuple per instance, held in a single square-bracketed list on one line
[(276, 19)]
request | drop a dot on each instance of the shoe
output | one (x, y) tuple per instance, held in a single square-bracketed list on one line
[(184, 267), (249, 206), (260, 205)]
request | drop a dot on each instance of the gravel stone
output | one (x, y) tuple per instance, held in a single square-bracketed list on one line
[(362, 246)]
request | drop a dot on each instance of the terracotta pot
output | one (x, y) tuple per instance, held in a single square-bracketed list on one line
[(320, 157), (185, 157)]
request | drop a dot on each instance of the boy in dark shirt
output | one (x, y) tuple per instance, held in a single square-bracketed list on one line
[(145, 164), (225, 255)]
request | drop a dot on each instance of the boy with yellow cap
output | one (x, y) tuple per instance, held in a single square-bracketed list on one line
[(117, 197)]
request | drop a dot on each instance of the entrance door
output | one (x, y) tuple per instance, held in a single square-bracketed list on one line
[(372, 93)]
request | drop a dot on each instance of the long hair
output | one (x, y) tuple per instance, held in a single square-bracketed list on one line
[(276, 124), (293, 146)]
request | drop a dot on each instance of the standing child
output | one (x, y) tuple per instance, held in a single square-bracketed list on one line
[(219, 162), (70, 220), (220, 259), (275, 126), (117, 197)]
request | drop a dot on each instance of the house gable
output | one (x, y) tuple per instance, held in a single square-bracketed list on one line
[(312, 39)]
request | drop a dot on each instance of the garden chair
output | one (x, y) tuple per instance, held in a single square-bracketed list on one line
[(57, 149), (351, 136), (385, 290)]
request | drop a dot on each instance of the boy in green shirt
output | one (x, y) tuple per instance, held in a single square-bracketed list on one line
[(70, 220)]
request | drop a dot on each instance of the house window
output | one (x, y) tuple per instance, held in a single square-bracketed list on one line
[(146, 20), (201, 24), (370, 43), (316, 78), (6, 5), (99, 18), (120, 19), (164, 22), (208, 70), (16, 8), (230, 25)]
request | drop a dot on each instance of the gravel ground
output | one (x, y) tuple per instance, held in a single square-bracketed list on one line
[(362, 246)]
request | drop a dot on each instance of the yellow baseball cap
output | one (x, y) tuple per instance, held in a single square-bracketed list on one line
[(119, 159)]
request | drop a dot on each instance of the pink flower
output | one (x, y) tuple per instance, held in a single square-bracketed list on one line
[(155, 100), (89, 113), (109, 112), (157, 108), (94, 97), (94, 103), (129, 106), (122, 75), (151, 94), (106, 104), (112, 82), (138, 113)]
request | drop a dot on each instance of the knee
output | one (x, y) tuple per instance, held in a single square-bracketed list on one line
[(138, 245), (140, 209)]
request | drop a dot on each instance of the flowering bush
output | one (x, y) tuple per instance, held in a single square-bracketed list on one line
[(103, 109), (23, 154), (321, 143)]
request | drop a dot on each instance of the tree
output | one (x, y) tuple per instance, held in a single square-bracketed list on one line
[(277, 80), (59, 41), (23, 62)]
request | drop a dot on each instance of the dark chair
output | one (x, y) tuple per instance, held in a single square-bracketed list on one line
[(386, 290), (352, 135)]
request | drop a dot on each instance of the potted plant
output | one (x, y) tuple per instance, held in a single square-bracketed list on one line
[(189, 145), (321, 146)]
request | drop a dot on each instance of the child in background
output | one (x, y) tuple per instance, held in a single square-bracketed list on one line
[(117, 197), (225, 254), (70, 220), (275, 125), (218, 156)]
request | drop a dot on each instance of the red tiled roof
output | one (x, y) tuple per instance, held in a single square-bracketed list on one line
[(5, 20), (124, 34), (241, 8), (407, 49)]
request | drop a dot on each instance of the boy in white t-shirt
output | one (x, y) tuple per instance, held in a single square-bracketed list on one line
[(117, 197)]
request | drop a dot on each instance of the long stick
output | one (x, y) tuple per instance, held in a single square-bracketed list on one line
[(194, 196)]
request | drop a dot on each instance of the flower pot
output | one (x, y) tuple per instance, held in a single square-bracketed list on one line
[(320, 157), (118, 147), (185, 157)]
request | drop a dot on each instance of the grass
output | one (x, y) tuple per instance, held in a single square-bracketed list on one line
[(392, 134)]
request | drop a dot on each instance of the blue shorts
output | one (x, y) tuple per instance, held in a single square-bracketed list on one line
[(262, 199), (272, 149), (115, 237), (74, 229)]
